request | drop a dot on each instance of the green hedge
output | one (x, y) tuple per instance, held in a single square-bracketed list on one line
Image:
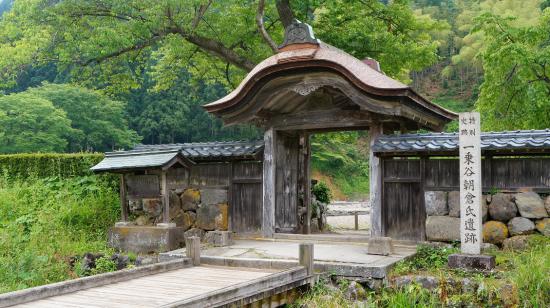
[(38, 165)]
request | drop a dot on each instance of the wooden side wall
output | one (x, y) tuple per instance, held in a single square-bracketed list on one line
[(406, 179)]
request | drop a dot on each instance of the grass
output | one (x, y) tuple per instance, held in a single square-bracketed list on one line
[(521, 279), (44, 222)]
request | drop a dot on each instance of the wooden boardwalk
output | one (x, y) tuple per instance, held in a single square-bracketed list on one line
[(157, 290)]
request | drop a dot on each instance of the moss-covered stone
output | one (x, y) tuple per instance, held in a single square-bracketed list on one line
[(543, 226), (494, 232), (222, 218), (190, 199)]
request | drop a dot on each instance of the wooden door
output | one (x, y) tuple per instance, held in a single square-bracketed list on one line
[(246, 197), (286, 183), (403, 212)]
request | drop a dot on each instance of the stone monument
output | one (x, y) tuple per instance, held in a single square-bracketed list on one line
[(470, 197)]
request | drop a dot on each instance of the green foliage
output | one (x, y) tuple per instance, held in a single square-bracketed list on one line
[(391, 33), (103, 265), (322, 192), (31, 124), (58, 118), (427, 257), (118, 43), (515, 93), (344, 158), (530, 271), (98, 123), (45, 222), (176, 114), (25, 166)]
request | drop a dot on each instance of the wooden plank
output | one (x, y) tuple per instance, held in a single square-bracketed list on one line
[(307, 181), (268, 215), (123, 200), (321, 119), (375, 182)]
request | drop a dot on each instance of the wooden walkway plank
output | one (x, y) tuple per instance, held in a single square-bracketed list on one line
[(156, 290)]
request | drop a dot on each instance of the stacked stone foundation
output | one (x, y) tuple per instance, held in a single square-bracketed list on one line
[(508, 218), (193, 212)]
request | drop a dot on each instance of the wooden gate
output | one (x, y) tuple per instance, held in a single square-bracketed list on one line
[(403, 211), (286, 183), (246, 197)]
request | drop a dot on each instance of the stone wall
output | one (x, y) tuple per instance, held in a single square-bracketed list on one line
[(194, 210), (507, 217)]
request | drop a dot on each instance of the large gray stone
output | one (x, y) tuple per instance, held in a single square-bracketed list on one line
[(427, 282), (472, 262), (520, 226), (219, 238), (436, 203), (502, 208), (185, 220), (213, 196), (443, 228), (206, 217), (175, 201), (194, 232), (530, 205), (453, 201), (547, 204), (518, 242), (380, 246)]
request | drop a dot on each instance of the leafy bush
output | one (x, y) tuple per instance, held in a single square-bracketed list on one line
[(427, 257), (103, 265), (322, 192), (47, 221)]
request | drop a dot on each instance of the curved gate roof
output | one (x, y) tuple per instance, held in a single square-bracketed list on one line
[(295, 79)]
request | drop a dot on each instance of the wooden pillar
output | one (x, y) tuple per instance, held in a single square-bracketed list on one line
[(306, 257), (193, 249), (375, 182), (165, 198), (123, 203), (268, 211), (305, 169)]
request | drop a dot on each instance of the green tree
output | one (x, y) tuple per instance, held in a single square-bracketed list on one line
[(98, 123), (32, 124), (515, 93), (108, 44)]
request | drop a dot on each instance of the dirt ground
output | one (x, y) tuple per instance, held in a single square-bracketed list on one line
[(348, 222)]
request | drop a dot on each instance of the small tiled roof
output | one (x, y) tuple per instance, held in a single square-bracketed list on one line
[(448, 142), (209, 150), (134, 160), (159, 155)]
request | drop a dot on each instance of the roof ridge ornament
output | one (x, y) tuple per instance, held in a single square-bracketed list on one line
[(298, 33)]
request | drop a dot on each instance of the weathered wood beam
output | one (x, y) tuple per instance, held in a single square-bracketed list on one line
[(123, 203), (375, 182), (165, 198), (307, 181), (323, 119), (268, 212)]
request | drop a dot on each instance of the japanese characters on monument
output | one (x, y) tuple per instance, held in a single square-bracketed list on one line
[(470, 182)]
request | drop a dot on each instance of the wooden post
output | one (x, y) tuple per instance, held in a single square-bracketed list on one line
[(165, 198), (268, 212), (356, 221), (307, 182), (123, 203), (375, 182), (193, 249), (306, 257)]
